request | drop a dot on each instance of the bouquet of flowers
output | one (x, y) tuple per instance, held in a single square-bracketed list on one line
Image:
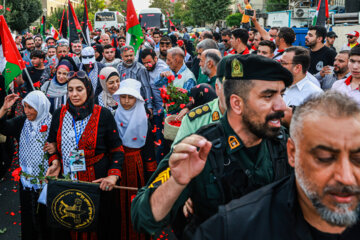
[(173, 97)]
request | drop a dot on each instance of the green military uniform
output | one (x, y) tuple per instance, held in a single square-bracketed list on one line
[(198, 117), (231, 169), (205, 79)]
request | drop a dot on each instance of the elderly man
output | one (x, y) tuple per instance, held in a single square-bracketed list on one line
[(328, 75), (228, 159), (202, 46), (184, 78), (209, 60), (129, 68), (322, 199)]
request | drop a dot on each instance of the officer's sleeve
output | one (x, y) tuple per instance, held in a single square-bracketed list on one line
[(141, 214), (213, 228)]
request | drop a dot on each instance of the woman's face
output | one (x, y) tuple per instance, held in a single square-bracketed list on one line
[(127, 101), (113, 84), (30, 112), (62, 75), (77, 92)]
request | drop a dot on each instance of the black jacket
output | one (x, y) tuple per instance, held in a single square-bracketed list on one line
[(272, 212)]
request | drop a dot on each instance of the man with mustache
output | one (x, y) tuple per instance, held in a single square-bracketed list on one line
[(129, 68), (241, 152), (321, 200)]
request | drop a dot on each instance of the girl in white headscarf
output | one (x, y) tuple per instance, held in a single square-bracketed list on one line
[(132, 123), (31, 131)]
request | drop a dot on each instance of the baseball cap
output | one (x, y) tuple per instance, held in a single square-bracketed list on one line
[(252, 67), (354, 34), (331, 34), (88, 55)]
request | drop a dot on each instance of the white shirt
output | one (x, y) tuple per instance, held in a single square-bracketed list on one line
[(297, 93), (313, 79), (344, 86)]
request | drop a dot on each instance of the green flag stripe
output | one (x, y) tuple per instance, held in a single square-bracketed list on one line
[(10, 72)]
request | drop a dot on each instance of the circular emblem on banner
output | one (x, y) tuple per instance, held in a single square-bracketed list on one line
[(73, 209)]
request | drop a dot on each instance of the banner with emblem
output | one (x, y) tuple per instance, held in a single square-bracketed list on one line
[(73, 205)]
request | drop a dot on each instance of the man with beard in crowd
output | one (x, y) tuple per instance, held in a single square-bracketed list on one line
[(165, 44), (330, 40), (155, 67), (76, 48), (226, 36), (320, 54), (209, 60), (225, 160), (321, 201), (129, 68), (255, 43), (327, 76), (352, 40), (109, 59), (38, 42), (29, 47), (200, 48)]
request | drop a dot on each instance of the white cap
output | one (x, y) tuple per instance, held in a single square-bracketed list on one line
[(88, 55), (129, 87)]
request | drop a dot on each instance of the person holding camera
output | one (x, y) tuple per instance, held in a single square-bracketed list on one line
[(245, 21)]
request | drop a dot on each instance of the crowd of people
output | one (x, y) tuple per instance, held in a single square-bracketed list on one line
[(267, 147)]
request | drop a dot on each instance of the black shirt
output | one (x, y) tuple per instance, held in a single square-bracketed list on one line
[(321, 58), (35, 75)]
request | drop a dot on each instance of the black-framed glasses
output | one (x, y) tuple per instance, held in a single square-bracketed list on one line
[(79, 74), (86, 57), (165, 43), (225, 40), (350, 37)]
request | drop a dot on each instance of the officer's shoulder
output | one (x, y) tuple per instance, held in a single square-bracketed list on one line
[(211, 131), (198, 112)]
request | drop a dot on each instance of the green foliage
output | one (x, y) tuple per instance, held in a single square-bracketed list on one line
[(203, 11), (234, 19), (22, 13), (165, 5), (54, 19), (276, 5), (118, 5), (182, 12)]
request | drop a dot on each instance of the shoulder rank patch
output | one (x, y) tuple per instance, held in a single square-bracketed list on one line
[(236, 68), (215, 116), (161, 178), (233, 142), (199, 111)]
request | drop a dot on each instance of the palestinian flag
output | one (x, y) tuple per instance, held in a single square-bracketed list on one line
[(134, 35), (172, 25), (11, 63), (63, 25), (86, 27), (43, 27), (322, 13), (73, 24)]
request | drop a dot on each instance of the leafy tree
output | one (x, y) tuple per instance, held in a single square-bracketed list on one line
[(118, 5), (182, 12), (276, 5), (165, 5), (234, 19), (22, 13), (203, 11)]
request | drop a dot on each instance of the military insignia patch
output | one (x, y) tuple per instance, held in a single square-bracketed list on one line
[(73, 206), (236, 68), (233, 142), (161, 178), (197, 112), (215, 116)]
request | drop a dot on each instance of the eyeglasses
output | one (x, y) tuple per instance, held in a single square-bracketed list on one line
[(79, 74), (285, 63), (350, 37), (225, 40), (85, 57), (165, 43)]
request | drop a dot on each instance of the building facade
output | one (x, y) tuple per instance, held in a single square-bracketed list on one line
[(52, 5)]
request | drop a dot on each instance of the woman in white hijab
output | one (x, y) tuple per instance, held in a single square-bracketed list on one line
[(132, 122), (31, 131), (110, 82)]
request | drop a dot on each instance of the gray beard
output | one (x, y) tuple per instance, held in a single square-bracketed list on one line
[(128, 65), (343, 217)]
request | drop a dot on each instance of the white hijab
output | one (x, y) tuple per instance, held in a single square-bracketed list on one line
[(40, 103), (132, 123)]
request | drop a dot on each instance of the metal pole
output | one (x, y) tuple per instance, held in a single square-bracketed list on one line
[(27, 74)]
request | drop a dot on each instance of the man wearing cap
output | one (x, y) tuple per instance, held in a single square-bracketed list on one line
[(330, 39), (352, 40), (226, 159), (321, 200), (92, 68)]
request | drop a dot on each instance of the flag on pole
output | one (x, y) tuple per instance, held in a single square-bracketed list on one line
[(11, 63), (134, 35), (322, 13), (63, 25), (86, 27), (43, 27), (172, 25), (54, 33), (73, 24)]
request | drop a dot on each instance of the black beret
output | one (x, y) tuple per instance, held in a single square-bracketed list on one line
[(252, 67)]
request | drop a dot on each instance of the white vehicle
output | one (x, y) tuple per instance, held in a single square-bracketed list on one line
[(152, 17), (107, 19)]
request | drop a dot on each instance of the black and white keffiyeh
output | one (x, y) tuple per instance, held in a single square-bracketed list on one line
[(93, 75)]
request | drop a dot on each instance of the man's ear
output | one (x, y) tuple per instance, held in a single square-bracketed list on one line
[(237, 104), (291, 150)]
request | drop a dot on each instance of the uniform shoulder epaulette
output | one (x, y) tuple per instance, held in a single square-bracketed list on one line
[(199, 111)]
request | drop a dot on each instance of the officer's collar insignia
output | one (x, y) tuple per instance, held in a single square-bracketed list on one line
[(233, 142), (236, 68), (215, 116), (161, 178)]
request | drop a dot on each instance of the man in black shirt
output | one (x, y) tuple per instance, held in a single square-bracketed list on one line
[(321, 200), (321, 55), (37, 59)]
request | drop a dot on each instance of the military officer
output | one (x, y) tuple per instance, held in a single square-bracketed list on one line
[(243, 151)]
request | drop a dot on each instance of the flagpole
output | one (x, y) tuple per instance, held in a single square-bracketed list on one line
[(27, 74)]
